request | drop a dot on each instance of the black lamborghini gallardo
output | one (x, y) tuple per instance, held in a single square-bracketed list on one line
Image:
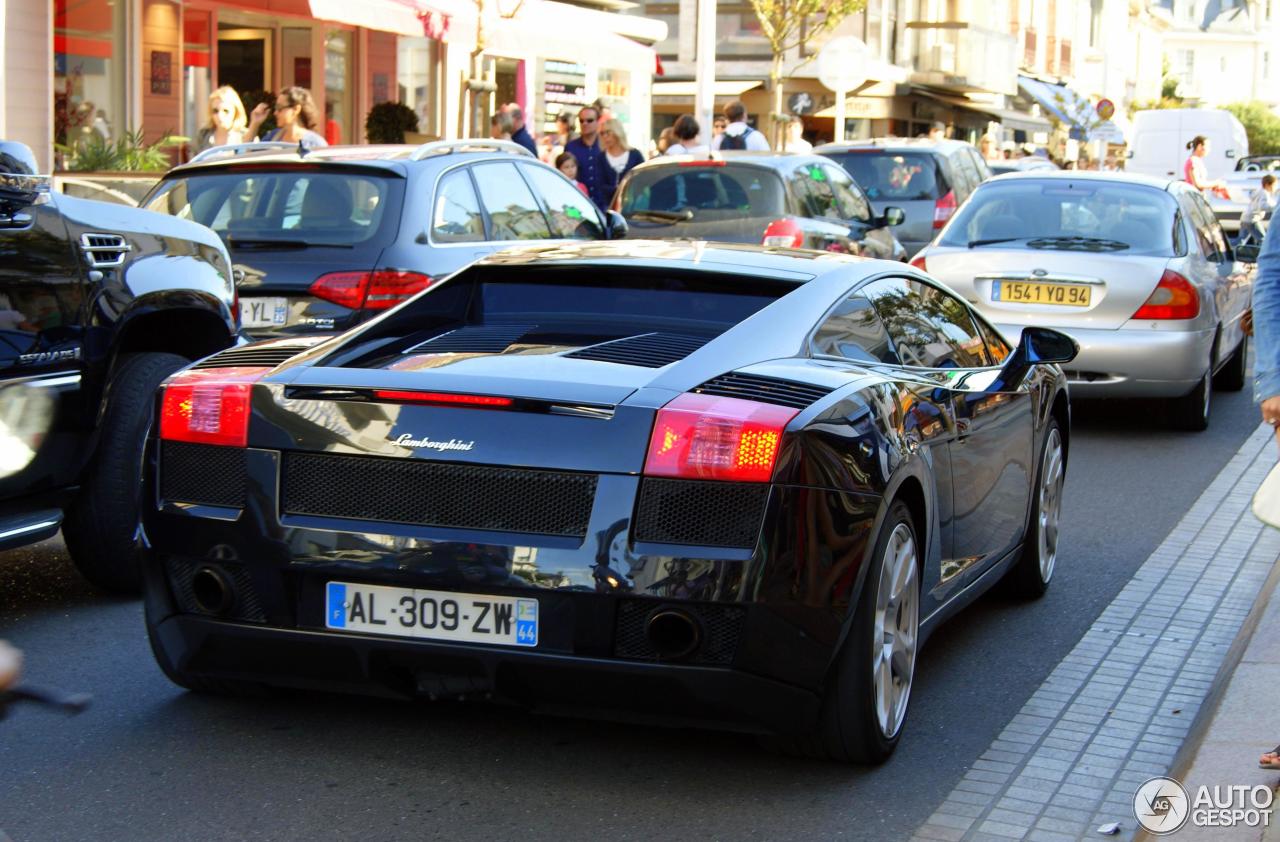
[(718, 485)]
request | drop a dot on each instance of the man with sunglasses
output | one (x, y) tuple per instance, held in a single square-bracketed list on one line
[(586, 149)]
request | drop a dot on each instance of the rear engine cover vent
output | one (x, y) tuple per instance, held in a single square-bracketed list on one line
[(105, 251), (473, 339), (753, 387), (250, 355), (649, 350)]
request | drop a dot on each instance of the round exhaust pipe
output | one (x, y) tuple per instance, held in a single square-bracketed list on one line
[(673, 633), (212, 590)]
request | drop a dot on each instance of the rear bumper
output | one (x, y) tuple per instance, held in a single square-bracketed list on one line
[(1134, 362)]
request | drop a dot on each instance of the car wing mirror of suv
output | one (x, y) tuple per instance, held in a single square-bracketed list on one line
[(892, 216), (616, 225), (1248, 253)]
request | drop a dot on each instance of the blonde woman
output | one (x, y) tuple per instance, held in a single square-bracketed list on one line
[(615, 158), (228, 122)]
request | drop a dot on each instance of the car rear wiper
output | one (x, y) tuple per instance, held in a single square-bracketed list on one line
[(263, 242), (663, 216), (993, 240), (1083, 243)]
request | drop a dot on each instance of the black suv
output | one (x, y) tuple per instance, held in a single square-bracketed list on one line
[(322, 239), (98, 304)]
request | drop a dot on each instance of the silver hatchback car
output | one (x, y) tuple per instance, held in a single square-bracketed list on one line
[(1137, 270)]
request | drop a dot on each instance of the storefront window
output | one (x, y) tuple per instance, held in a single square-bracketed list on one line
[(418, 76), (564, 87), (339, 60), (89, 71)]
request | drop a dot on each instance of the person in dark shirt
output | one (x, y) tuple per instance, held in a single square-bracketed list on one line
[(519, 133), (586, 148)]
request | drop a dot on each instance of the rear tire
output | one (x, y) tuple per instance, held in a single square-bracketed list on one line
[(1031, 574), (864, 704), (1232, 377), (1191, 412), (102, 522)]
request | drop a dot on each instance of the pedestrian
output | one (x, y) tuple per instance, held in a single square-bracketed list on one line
[(737, 134), (987, 146), (1253, 222), (618, 157), (1265, 324), (227, 120), (1193, 170), (586, 148), (296, 118), (937, 130), (564, 129), (666, 140), (685, 133), (568, 165), (520, 134), (500, 125), (718, 125), (795, 138)]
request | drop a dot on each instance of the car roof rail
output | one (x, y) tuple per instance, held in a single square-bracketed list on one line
[(233, 149), (478, 144)]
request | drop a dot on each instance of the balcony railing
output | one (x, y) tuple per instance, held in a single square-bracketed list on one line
[(954, 54)]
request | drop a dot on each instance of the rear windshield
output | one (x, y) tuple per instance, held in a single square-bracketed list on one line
[(898, 176), (312, 206), (705, 192), (1124, 218)]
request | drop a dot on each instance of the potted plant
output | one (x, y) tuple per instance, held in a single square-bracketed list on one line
[(389, 121)]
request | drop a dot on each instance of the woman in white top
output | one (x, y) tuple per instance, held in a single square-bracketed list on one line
[(616, 157), (686, 130)]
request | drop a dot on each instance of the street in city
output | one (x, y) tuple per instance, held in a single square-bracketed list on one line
[(149, 761)]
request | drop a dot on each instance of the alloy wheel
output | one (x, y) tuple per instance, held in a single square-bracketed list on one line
[(895, 630), (1051, 477)]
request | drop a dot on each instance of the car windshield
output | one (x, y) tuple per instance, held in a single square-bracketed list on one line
[(886, 176), (312, 207), (1258, 163), (1060, 214), (703, 193)]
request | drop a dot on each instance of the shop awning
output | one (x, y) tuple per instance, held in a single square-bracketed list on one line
[(556, 36), (1008, 117), (1063, 103), (403, 17), (727, 87)]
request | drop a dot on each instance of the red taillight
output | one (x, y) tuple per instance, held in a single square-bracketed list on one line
[(706, 437), (919, 262), (783, 233), (1173, 298), (369, 290), (943, 209), (440, 397), (209, 406)]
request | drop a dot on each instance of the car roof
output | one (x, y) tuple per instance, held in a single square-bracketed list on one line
[(895, 144), (797, 265), (391, 157), (1160, 183), (769, 160)]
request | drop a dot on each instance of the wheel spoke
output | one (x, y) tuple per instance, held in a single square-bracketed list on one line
[(895, 629)]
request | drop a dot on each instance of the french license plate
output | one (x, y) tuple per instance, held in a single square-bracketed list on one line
[(264, 312), (433, 615), (1021, 292)]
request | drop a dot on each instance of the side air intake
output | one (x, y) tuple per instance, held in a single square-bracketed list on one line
[(648, 350), (753, 387), (265, 357), (473, 339)]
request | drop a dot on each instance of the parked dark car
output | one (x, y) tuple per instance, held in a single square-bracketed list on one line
[(98, 304), (774, 199), (322, 240), (928, 179), (719, 485)]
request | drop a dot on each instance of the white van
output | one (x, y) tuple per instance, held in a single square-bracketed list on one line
[(1159, 143)]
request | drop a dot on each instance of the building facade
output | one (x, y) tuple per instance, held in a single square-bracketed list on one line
[(1224, 51)]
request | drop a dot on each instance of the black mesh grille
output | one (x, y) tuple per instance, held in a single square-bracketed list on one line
[(753, 387), (650, 350), (436, 494), (473, 339), (245, 604), (202, 473), (720, 627), (709, 514), (250, 355)]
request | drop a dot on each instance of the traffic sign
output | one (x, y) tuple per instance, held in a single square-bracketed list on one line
[(800, 103), (1106, 109), (842, 63)]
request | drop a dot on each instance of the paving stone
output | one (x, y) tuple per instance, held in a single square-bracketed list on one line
[(1002, 830), (941, 819)]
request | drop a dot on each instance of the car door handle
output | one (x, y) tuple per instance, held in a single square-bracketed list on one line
[(15, 221)]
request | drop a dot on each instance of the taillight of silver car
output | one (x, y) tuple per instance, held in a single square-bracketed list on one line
[(1174, 297)]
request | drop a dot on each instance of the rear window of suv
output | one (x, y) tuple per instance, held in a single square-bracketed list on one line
[(707, 191), (316, 207), (884, 175)]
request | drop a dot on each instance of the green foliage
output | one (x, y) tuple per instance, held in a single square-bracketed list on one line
[(1262, 126), (388, 121), (794, 23), (129, 153)]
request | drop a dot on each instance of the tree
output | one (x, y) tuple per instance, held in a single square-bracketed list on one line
[(789, 24), (1262, 127), (476, 88)]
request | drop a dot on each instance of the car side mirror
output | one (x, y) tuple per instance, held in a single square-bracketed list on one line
[(1039, 346), (1248, 253), (893, 216), (617, 225)]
